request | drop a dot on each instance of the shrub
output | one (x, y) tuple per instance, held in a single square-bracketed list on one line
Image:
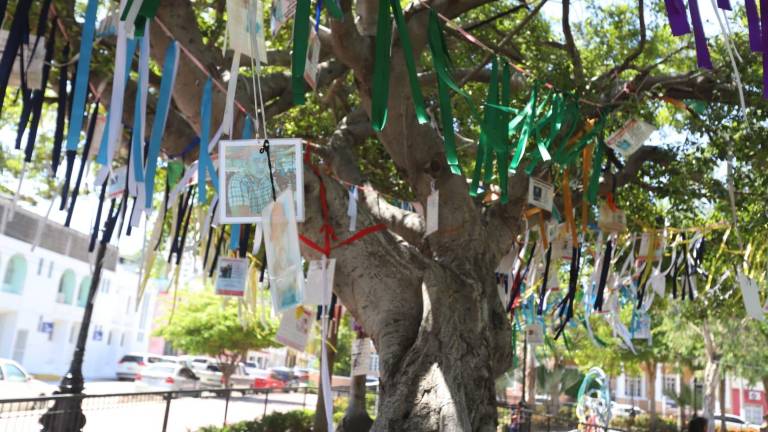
[(292, 421)]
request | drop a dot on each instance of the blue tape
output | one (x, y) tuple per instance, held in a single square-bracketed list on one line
[(234, 237), (161, 116), (204, 164), (83, 71)]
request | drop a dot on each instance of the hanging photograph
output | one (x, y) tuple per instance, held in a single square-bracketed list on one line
[(281, 241), (295, 325), (244, 175), (541, 194), (630, 137), (232, 275)]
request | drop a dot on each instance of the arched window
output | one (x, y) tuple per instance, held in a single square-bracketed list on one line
[(15, 274), (66, 291), (82, 294)]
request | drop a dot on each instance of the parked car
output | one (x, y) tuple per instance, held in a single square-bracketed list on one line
[(167, 376), (266, 380), (199, 362), (212, 377), (285, 375), (625, 410), (734, 423), (17, 383), (250, 367), (133, 363), (302, 375)]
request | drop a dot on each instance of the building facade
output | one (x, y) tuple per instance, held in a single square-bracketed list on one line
[(43, 295), (741, 398)]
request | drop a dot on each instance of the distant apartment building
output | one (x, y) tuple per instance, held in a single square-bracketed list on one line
[(43, 295), (741, 398)]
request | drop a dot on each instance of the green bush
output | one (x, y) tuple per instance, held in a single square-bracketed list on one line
[(642, 422), (292, 421)]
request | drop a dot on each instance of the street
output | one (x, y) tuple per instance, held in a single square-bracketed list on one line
[(145, 413)]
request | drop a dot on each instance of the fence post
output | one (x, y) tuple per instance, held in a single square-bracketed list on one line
[(549, 423), (266, 401), (167, 397), (226, 404), (304, 402)]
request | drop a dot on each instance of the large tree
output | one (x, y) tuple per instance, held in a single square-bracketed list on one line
[(430, 303)]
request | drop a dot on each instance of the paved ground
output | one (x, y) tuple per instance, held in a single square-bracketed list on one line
[(135, 413)]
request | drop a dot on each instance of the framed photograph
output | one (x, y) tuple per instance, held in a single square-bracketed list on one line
[(244, 177)]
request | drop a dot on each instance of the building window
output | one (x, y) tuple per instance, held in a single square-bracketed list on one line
[(50, 269), (122, 340), (105, 286), (140, 337), (66, 287), (109, 338), (40, 267), (82, 294), (633, 386), (670, 384), (15, 275), (753, 414), (128, 306), (73, 332)]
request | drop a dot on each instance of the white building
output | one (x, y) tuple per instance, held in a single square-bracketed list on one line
[(43, 295)]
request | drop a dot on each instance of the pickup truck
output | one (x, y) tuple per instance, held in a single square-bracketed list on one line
[(212, 378)]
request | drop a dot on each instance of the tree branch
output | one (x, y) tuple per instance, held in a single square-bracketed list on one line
[(573, 51), (615, 71)]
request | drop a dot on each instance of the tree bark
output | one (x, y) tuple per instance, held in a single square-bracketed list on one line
[(681, 403), (356, 418), (721, 393), (531, 384)]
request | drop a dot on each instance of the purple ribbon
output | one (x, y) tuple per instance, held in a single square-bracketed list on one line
[(678, 21), (753, 24), (702, 52), (764, 40), (724, 4)]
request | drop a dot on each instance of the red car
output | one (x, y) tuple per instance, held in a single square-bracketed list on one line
[(266, 380)]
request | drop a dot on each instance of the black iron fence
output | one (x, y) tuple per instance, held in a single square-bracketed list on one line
[(164, 411), (515, 418)]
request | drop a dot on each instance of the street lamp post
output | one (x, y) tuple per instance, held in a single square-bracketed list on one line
[(66, 414)]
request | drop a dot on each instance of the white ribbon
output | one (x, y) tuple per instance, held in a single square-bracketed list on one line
[(324, 373), (116, 100)]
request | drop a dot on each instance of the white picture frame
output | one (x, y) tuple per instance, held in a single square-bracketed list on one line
[(287, 170)]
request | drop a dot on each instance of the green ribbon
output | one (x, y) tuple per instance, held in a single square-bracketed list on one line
[(174, 171), (569, 155), (147, 10), (299, 55), (524, 121), (597, 163), (490, 116), (380, 96), (501, 143), (334, 9)]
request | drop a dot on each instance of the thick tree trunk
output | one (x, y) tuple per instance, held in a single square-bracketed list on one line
[(651, 369)]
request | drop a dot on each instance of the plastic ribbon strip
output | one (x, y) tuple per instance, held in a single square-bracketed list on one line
[(38, 96), (136, 170), (753, 26), (299, 55), (702, 52), (170, 67), (764, 43), (490, 123), (61, 114), (17, 35), (124, 52), (205, 165), (83, 162), (83, 72), (380, 96), (678, 20)]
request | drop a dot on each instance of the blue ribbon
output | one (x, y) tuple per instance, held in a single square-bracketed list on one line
[(234, 237), (138, 137), (161, 115), (130, 50), (83, 71), (204, 164)]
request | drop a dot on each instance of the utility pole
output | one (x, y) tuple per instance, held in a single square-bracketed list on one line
[(66, 415)]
